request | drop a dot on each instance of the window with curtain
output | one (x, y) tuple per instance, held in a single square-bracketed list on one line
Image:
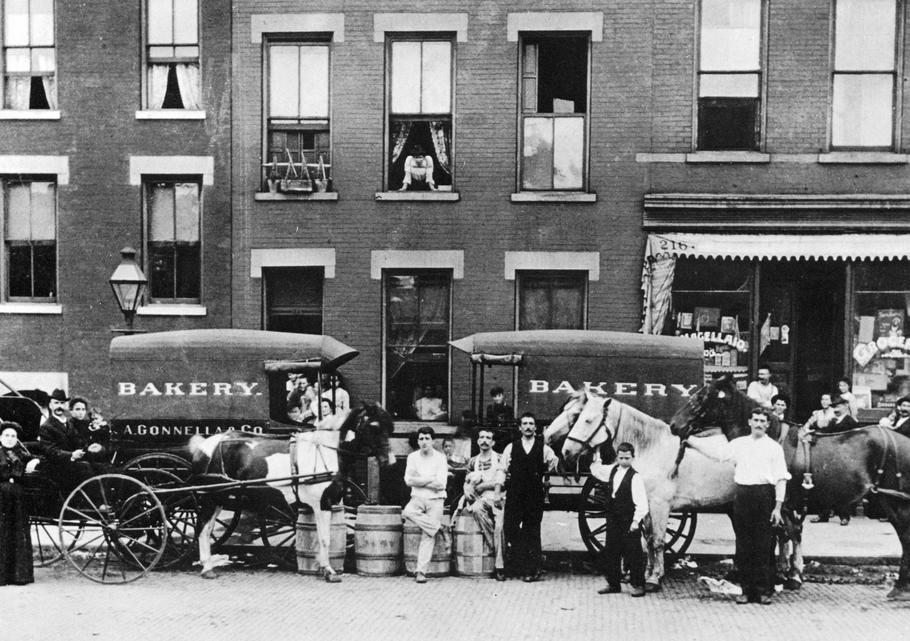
[(29, 55), (173, 248), (420, 115), (729, 75), (554, 105), (552, 300), (172, 55), (417, 312), (30, 240), (863, 78), (293, 299), (297, 108)]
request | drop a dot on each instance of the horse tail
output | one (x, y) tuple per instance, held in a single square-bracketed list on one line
[(195, 444)]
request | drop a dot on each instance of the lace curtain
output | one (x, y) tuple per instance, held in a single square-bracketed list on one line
[(157, 85), (18, 89), (425, 306), (400, 132), (439, 133), (188, 81)]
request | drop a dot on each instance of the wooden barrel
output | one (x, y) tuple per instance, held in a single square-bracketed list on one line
[(377, 540), (473, 556), (440, 562), (307, 542)]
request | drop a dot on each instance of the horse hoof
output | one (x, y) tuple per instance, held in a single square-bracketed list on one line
[(209, 574), (653, 587), (332, 578), (899, 594), (792, 584)]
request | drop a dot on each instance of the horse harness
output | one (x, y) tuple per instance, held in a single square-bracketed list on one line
[(603, 420)]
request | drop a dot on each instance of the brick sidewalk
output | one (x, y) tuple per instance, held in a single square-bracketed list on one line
[(248, 605)]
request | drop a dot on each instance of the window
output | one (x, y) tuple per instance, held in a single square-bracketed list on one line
[(30, 240), (420, 116), (293, 299), (554, 104), (173, 251), (729, 79), (416, 339), (552, 301), (297, 111), (863, 80), (29, 55), (172, 55)]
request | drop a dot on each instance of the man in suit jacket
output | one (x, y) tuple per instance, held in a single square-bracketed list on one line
[(842, 420), (62, 445), (899, 421)]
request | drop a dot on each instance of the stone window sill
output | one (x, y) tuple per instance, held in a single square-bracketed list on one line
[(30, 308), (29, 114), (862, 158), (171, 310), (754, 157), (170, 114), (316, 195), (553, 197), (431, 196)]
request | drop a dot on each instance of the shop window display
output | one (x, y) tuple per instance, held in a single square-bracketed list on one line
[(881, 336)]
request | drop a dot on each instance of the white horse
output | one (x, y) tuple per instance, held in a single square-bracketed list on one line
[(699, 483), (313, 456)]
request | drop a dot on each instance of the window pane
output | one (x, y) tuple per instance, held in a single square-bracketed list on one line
[(436, 76), (20, 270), (187, 216), (283, 82), (537, 154), (314, 82), (18, 213), (161, 270), (15, 17), (43, 60), (161, 52), (160, 22), (186, 22), (864, 36), (45, 266), (568, 312), (188, 272), (42, 23), (728, 123), (568, 152), (728, 85), (405, 77), (730, 35), (535, 309), (186, 52), (862, 111), (18, 60), (43, 208), (161, 212)]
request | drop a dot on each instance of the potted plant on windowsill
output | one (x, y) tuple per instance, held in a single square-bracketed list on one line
[(321, 182), (273, 175)]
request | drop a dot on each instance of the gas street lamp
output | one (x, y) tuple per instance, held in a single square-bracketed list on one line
[(128, 283)]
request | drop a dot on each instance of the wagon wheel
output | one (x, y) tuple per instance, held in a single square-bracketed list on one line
[(181, 508), (592, 522), (176, 465), (46, 540), (278, 533), (125, 529)]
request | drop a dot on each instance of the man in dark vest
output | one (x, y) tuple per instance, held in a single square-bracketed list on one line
[(626, 506), (522, 467)]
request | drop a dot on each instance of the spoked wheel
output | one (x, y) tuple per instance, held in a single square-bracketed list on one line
[(125, 529), (278, 533), (180, 507), (592, 522), (46, 539)]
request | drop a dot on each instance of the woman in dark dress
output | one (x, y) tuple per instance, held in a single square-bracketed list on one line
[(15, 538)]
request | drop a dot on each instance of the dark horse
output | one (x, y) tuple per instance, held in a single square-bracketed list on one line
[(308, 468), (844, 467)]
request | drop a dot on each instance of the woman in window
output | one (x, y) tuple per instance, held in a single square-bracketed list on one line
[(418, 171), (843, 388)]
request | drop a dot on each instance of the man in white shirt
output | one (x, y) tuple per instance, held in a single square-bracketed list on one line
[(426, 474), (762, 390), (761, 483), (480, 498), (626, 506), (524, 462), (430, 407)]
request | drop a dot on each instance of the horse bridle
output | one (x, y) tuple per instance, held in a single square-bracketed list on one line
[(600, 426)]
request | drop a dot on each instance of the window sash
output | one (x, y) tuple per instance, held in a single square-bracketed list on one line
[(865, 35), (172, 22), (294, 298), (862, 110), (174, 250), (553, 152), (421, 77), (552, 301), (30, 240), (730, 35)]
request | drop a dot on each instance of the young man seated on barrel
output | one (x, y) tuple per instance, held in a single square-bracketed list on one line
[(480, 497), (426, 473)]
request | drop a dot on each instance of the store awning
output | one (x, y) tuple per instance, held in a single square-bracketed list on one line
[(780, 246)]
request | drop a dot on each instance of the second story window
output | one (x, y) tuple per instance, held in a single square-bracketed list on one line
[(298, 114), (863, 82), (555, 300), (29, 55), (729, 78), (554, 106), (30, 240), (420, 115), (172, 55), (173, 250)]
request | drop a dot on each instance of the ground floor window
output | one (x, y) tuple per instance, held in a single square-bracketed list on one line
[(416, 351), (293, 299)]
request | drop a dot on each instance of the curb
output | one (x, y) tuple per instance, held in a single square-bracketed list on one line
[(584, 560)]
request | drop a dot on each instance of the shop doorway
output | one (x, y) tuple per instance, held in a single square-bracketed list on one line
[(803, 305)]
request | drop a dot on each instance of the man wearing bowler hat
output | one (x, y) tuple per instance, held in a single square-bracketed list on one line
[(62, 445)]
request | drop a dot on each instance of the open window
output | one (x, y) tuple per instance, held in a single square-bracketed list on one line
[(29, 55), (173, 248), (30, 240), (420, 115), (172, 55), (554, 106), (293, 299)]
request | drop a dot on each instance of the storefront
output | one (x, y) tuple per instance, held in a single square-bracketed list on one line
[(810, 307)]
